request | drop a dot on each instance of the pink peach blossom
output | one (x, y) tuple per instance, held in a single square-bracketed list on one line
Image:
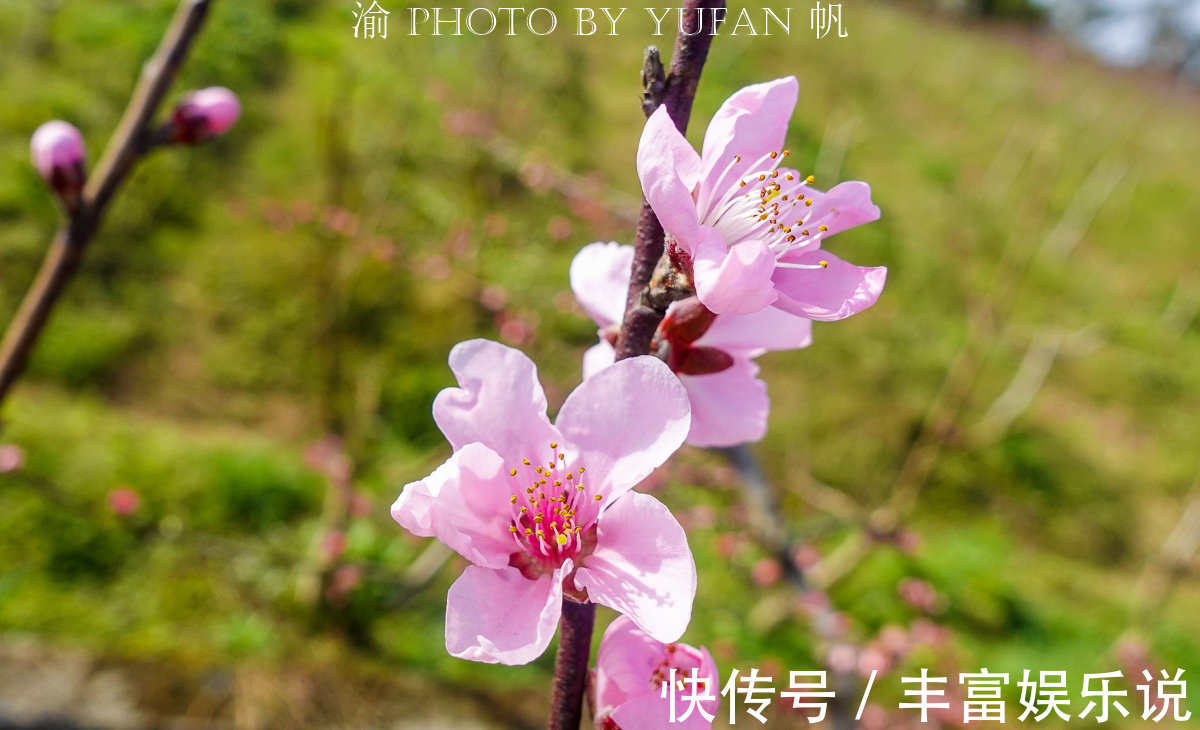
[(59, 154), (206, 113), (751, 229), (544, 510), (729, 406), (631, 667), (124, 501)]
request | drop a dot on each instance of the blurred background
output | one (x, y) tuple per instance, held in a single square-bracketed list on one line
[(198, 466)]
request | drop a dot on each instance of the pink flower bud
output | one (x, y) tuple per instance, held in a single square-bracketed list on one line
[(124, 501), (58, 153), (205, 114), (12, 458)]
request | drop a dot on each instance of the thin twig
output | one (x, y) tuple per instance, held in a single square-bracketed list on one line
[(571, 664), (132, 139)]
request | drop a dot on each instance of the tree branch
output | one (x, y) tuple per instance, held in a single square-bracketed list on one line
[(645, 309), (132, 139)]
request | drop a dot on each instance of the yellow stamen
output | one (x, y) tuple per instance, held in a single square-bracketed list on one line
[(561, 539), (824, 264), (513, 473), (598, 498), (513, 500), (810, 179)]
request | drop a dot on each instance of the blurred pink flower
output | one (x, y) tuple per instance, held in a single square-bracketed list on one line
[(843, 658), (918, 594), (514, 499), (124, 501), (873, 659), (360, 505), (334, 544), (805, 557), (559, 227), (713, 355), (631, 667), (204, 114), (327, 456), (493, 297), (766, 572), (515, 330), (495, 225), (344, 580), (750, 229), (12, 458), (58, 154)]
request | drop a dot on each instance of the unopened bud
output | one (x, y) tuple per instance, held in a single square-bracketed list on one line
[(58, 153), (205, 114)]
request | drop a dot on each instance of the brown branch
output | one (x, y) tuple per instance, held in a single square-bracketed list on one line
[(132, 139), (644, 308), (571, 664)]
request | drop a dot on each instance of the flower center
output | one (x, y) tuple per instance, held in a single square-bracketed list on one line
[(546, 502), (768, 204), (675, 658)]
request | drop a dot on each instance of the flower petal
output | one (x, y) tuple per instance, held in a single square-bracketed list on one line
[(464, 503), (642, 566), (669, 169), (499, 401), (625, 421), (846, 205), (826, 294), (653, 711), (625, 662), (600, 275), (733, 280), (598, 357), (750, 124), (754, 334), (729, 407), (502, 617)]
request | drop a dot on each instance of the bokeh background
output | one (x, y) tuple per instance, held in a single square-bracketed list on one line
[(239, 381)]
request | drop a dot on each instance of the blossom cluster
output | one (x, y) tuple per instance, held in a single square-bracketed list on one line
[(544, 511)]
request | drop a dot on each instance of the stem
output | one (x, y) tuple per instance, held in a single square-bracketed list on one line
[(131, 140), (644, 312), (571, 664)]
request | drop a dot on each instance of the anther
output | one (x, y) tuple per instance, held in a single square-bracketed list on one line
[(513, 530), (762, 177), (525, 462), (513, 473), (557, 483), (554, 444), (774, 155), (598, 498), (824, 264), (528, 532), (804, 232), (822, 228), (561, 539), (581, 470), (810, 179), (513, 499), (808, 202)]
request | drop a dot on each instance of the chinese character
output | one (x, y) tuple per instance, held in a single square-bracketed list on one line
[(819, 683), (924, 693), (822, 19), (692, 699), (751, 681), (1167, 698), (371, 20), (1048, 697), (1103, 693), (983, 686)]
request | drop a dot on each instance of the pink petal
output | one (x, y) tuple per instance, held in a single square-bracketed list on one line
[(624, 663), (729, 407), (464, 503), (598, 357), (846, 205), (733, 280), (642, 566), (652, 711), (502, 617), (827, 294), (499, 403), (754, 334), (600, 280), (669, 169), (625, 420), (751, 123)]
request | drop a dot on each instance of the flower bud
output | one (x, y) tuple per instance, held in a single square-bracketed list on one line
[(205, 114), (58, 153)]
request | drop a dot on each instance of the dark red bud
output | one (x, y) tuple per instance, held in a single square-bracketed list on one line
[(699, 360), (686, 322)]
